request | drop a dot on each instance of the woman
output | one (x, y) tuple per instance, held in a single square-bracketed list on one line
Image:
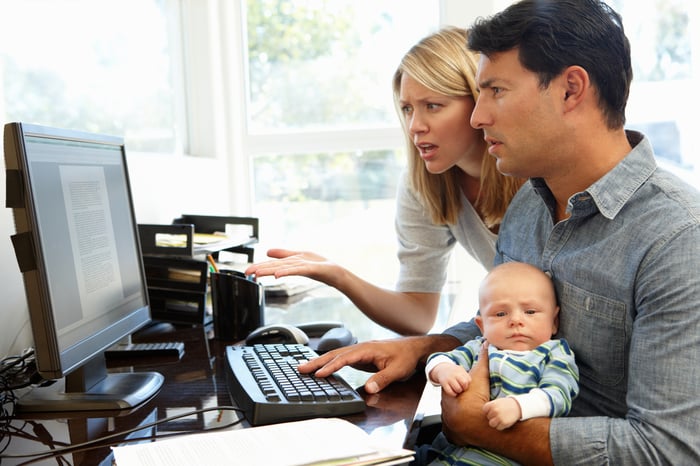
[(451, 192)]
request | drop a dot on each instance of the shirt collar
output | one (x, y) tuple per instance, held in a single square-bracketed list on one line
[(611, 192)]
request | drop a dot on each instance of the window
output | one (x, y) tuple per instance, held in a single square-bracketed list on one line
[(321, 132), (103, 67), (666, 78)]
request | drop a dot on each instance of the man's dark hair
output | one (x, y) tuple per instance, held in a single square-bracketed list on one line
[(554, 34)]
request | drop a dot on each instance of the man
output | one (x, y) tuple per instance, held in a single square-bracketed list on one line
[(619, 236)]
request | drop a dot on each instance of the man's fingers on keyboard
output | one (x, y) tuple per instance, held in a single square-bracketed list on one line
[(315, 364), (329, 363)]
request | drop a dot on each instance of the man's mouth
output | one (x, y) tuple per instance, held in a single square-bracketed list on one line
[(493, 144)]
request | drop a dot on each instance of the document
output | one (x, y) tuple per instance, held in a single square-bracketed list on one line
[(313, 442)]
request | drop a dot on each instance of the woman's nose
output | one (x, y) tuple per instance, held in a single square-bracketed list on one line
[(417, 124)]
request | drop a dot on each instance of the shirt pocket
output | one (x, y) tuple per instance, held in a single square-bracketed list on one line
[(595, 327)]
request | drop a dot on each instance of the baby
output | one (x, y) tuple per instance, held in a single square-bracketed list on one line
[(531, 374)]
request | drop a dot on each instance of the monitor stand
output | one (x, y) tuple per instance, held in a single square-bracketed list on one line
[(91, 389)]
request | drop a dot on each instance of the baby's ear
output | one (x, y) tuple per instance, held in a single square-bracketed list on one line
[(479, 321), (555, 322)]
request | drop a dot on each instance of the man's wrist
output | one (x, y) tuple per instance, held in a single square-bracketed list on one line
[(433, 343)]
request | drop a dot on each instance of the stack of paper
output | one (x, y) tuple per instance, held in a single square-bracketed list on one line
[(314, 442)]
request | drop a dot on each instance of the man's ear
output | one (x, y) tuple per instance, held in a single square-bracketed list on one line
[(577, 85)]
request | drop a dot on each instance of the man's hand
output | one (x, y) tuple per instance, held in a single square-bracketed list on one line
[(391, 359), (463, 416), (464, 422)]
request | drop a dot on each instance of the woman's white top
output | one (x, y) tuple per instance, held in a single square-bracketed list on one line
[(424, 248)]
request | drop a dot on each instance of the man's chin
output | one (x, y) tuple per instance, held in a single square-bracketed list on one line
[(504, 169)]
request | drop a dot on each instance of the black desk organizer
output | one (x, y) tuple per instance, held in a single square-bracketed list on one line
[(177, 275)]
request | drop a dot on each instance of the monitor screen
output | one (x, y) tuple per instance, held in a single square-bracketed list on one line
[(77, 246)]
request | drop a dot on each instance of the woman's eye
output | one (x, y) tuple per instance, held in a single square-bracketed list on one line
[(406, 109), (433, 106)]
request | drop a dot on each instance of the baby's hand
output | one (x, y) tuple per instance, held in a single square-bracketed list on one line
[(452, 378), (503, 412)]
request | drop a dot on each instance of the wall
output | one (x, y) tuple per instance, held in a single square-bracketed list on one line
[(163, 187)]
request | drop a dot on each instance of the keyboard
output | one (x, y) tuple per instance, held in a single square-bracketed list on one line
[(263, 381)]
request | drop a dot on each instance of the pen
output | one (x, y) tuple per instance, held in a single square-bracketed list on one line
[(212, 262)]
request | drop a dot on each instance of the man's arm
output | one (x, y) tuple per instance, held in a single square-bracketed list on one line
[(656, 420), (392, 360), (464, 423)]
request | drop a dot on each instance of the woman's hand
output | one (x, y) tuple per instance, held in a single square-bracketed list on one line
[(289, 262)]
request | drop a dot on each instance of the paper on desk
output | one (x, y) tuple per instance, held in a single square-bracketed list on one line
[(317, 442)]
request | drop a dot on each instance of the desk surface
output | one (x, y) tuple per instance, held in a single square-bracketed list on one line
[(197, 382)]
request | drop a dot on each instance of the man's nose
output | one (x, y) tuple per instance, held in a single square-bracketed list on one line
[(479, 117)]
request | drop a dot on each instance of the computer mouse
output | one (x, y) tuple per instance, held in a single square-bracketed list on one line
[(335, 338), (277, 333)]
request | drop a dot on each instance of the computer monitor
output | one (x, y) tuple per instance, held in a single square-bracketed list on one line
[(77, 246)]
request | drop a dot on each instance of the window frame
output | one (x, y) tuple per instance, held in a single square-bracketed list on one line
[(214, 42)]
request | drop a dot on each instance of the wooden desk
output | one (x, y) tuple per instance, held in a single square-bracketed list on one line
[(197, 381)]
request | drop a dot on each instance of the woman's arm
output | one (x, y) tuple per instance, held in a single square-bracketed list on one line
[(403, 312)]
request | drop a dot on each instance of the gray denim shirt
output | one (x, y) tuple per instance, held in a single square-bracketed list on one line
[(626, 266)]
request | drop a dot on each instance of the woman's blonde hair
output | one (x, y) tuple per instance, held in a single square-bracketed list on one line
[(443, 63)]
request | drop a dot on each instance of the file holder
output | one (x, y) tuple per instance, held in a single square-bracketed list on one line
[(177, 289), (177, 270), (211, 224)]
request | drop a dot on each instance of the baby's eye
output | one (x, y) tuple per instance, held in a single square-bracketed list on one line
[(531, 311), (501, 314)]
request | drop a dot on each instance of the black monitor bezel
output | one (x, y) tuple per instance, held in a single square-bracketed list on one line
[(54, 362)]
